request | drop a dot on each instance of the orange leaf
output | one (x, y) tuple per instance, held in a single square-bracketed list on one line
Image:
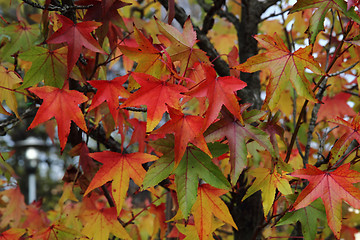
[(332, 187), (208, 204), (149, 58), (61, 104), (187, 129), (118, 167), (285, 66), (155, 94)]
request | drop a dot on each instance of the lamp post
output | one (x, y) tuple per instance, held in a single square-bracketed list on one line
[(30, 150), (31, 155)]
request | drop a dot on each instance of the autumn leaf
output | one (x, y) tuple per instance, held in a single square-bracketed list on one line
[(12, 233), (14, 210), (219, 91), (351, 132), (148, 57), (196, 165), (187, 129), (100, 223), (76, 35), (285, 66), (156, 94), (332, 187), (103, 11), (9, 81), (318, 17), (57, 231), (119, 168), (207, 205), (308, 217), (164, 166), (237, 135), (47, 65), (109, 92), (22, 37), (61, 104), (182, 45), (139, 133), (268, 182), (160, 220), (335, 106)]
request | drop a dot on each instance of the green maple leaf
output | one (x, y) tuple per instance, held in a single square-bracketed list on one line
[(308, 217), (19, 36), (318, 17), (194, 165), (47, 65)]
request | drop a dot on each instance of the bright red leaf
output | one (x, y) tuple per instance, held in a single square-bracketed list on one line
[(76, 35), (187, 129), (332, 187), (110, 92), (119, 168), (155, 94), (219, 91), (61, 104)]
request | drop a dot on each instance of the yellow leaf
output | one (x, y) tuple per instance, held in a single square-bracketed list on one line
[(267, 182), (209, 203), (9, 81)]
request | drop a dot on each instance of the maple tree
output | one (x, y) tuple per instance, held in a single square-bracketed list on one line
[(219, 122)]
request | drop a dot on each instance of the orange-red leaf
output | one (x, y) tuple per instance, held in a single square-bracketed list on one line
[(285, 66), (109, 91), (155, 94), (61, 104), (76, 35), (219, 91), (148, 57), (119, 168), (12, 233), (332, 187), (335, 106), (187, 129)]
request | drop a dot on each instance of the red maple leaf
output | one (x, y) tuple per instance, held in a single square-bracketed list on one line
[(155, 94), (118, 167), (187, 129), (335, 106), (219, 91), (76, 35), (109, 91), (61, 104), (332, 187)]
